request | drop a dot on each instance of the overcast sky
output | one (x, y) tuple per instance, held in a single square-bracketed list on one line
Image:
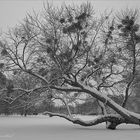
[(13, 11)]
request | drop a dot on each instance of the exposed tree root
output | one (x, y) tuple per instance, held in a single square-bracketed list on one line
[(112, 125)]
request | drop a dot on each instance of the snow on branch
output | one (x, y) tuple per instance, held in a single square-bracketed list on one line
[(132, 117), (100, 119)]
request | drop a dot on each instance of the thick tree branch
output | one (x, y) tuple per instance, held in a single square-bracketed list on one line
[(100, 119)]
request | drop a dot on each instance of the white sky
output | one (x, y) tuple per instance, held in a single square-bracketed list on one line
[(13, 11)]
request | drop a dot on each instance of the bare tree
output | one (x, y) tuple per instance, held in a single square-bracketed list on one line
[(72, 52)]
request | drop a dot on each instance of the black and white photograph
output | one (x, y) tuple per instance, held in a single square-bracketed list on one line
[(69, 69)]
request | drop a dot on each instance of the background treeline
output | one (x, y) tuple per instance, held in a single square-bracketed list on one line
[(86, 108)]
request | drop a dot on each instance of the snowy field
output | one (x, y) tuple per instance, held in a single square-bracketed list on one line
[(46, 128)]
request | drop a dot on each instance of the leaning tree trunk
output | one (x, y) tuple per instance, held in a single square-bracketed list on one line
[(129, 117), (134, 117)]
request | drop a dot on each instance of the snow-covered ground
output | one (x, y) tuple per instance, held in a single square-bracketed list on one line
[(54, 128)]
